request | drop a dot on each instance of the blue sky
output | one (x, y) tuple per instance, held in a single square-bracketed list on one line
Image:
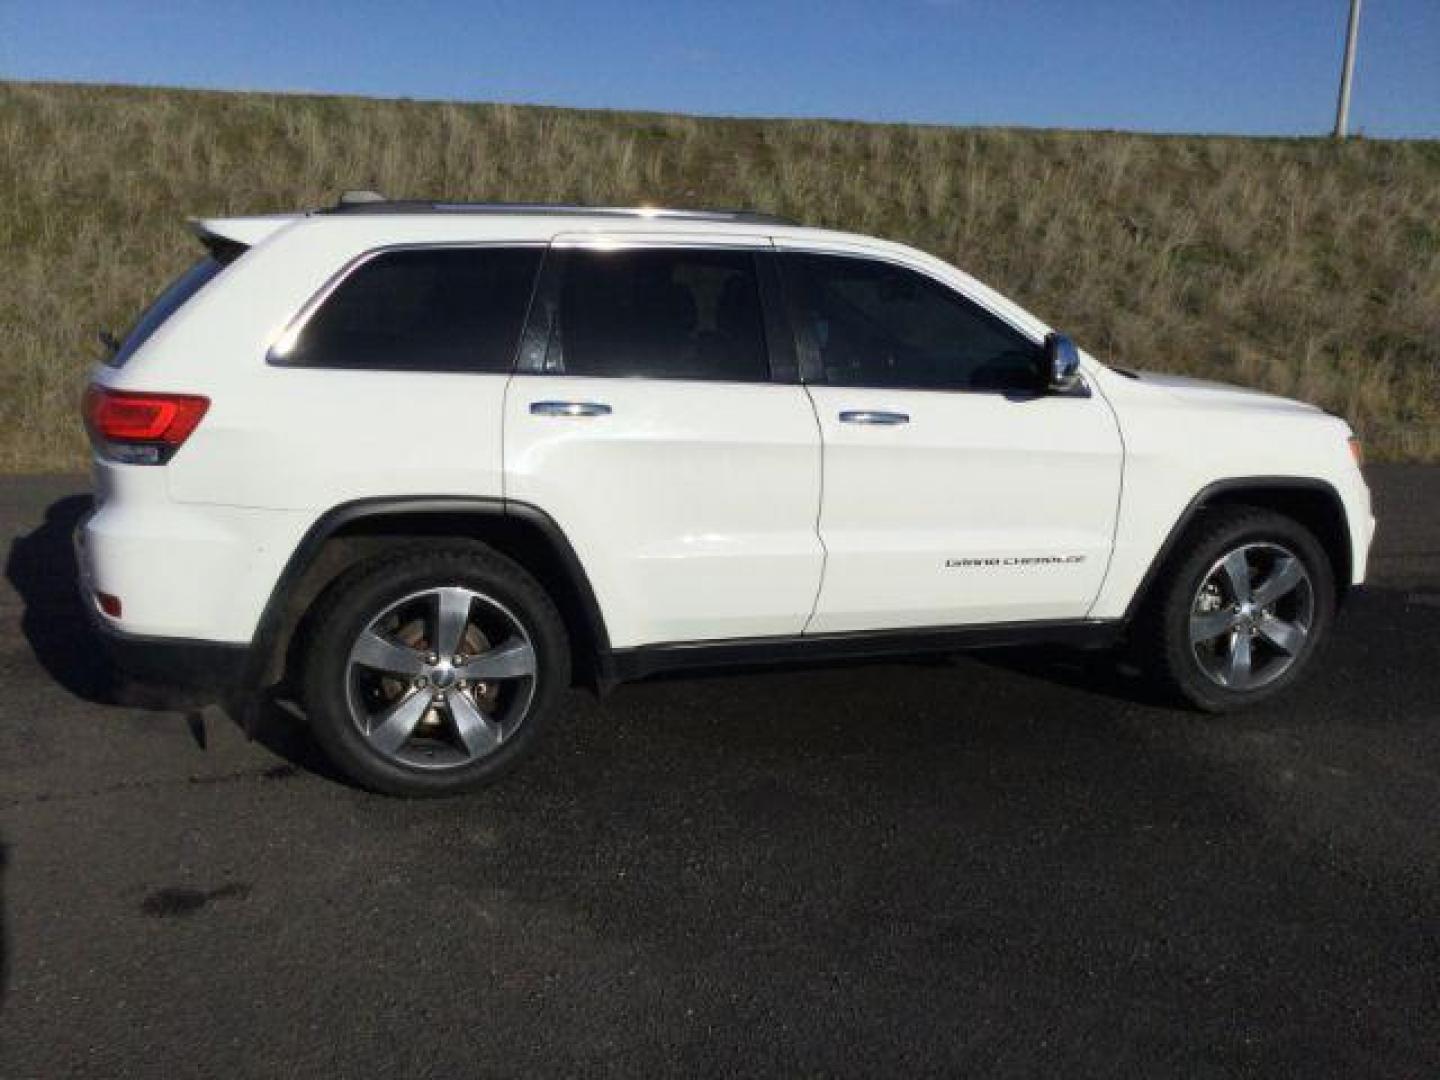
[(1242, 66)]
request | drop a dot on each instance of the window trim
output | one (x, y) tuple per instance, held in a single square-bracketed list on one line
[(281, 343), (780, 358), (811, 374)]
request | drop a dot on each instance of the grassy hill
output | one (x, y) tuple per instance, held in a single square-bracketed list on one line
[(1300, 266)]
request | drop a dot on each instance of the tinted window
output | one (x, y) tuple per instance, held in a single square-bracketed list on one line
[(870, 323), (663, 314), (165, 305), (435, 309)]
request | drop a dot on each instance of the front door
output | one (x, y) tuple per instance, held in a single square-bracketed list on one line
[(955, 493)]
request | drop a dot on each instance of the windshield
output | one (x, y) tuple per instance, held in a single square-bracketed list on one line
[(165, 305)]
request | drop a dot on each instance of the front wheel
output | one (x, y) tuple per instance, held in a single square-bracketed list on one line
[(1246, 607), (432, 671)]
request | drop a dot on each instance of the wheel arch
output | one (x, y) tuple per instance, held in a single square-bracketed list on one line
[(352, 532), (1312, 502)]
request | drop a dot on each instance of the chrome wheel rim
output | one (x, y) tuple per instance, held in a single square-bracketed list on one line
[(1251, 616), (441, 678)]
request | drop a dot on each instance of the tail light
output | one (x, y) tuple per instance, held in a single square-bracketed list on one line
[(140, 429)]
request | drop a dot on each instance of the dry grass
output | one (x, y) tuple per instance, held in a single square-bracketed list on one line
[(1300, 266)]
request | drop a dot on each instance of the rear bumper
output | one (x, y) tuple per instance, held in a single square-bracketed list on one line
[(182, 570), (181, 663)]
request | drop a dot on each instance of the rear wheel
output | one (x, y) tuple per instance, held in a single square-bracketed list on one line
[(432, 671), (1247, 605)]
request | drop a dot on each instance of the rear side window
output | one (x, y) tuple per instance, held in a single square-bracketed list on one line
[(677, 313), (429, 309), (166, 304), (869, 323)]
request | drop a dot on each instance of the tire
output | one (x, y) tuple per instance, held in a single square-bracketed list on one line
[(1201, 594), (471, 715)]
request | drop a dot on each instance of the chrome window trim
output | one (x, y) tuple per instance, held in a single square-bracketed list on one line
[(297, 323), (619, 242)]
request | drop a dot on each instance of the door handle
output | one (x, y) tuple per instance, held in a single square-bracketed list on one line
[(870, 416), (569, 408)]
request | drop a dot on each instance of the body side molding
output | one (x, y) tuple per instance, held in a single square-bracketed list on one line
[(628, 664)]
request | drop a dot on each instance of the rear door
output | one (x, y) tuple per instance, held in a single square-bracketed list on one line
[(656, 416), (955, 493)]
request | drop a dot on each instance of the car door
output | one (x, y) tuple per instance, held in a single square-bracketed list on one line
[(955, 491), (646, 419)]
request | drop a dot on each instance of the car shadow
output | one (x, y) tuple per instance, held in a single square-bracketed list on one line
[(41, 568), (1112, 674), (278, 724)]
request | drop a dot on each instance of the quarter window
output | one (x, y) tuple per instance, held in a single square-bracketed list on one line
[(428, 309), (175, 296), (869, 323), (659, 313)]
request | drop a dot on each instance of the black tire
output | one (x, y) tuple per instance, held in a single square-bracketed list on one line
[(1165, 643), (349, 607)]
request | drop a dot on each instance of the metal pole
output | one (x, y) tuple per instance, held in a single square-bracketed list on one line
[(1347, 72)]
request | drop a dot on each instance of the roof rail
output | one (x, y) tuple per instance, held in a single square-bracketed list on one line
[(371, 203)]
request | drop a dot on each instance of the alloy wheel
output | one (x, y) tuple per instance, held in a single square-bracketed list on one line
[(1251, 616), (441, 678)]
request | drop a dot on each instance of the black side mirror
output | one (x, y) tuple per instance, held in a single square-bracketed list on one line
[(1061, 372)]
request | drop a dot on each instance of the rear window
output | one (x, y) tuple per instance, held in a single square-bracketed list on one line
[(166, 304), (428, 309)]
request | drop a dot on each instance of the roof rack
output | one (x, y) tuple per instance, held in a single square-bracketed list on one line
[(369, 202)]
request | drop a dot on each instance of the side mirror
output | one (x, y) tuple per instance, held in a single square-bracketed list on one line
[(1062, 364)]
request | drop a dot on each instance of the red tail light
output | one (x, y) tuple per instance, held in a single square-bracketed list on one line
[(141, 429)]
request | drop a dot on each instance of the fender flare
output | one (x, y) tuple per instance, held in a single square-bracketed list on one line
[(1224, 487), (271, 630)]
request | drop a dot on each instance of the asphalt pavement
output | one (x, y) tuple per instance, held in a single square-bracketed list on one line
[(1012, 863)]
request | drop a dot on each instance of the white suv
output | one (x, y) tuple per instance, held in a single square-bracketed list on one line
[(423, 463)]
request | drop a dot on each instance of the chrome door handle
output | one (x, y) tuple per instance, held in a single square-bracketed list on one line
[(870, 416), (569, 408)]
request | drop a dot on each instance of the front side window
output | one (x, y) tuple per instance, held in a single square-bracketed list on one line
[(869, 323), (426, 309), (659, 313)]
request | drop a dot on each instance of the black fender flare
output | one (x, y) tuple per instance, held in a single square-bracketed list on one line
[(1234, 486), (272, 629)]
